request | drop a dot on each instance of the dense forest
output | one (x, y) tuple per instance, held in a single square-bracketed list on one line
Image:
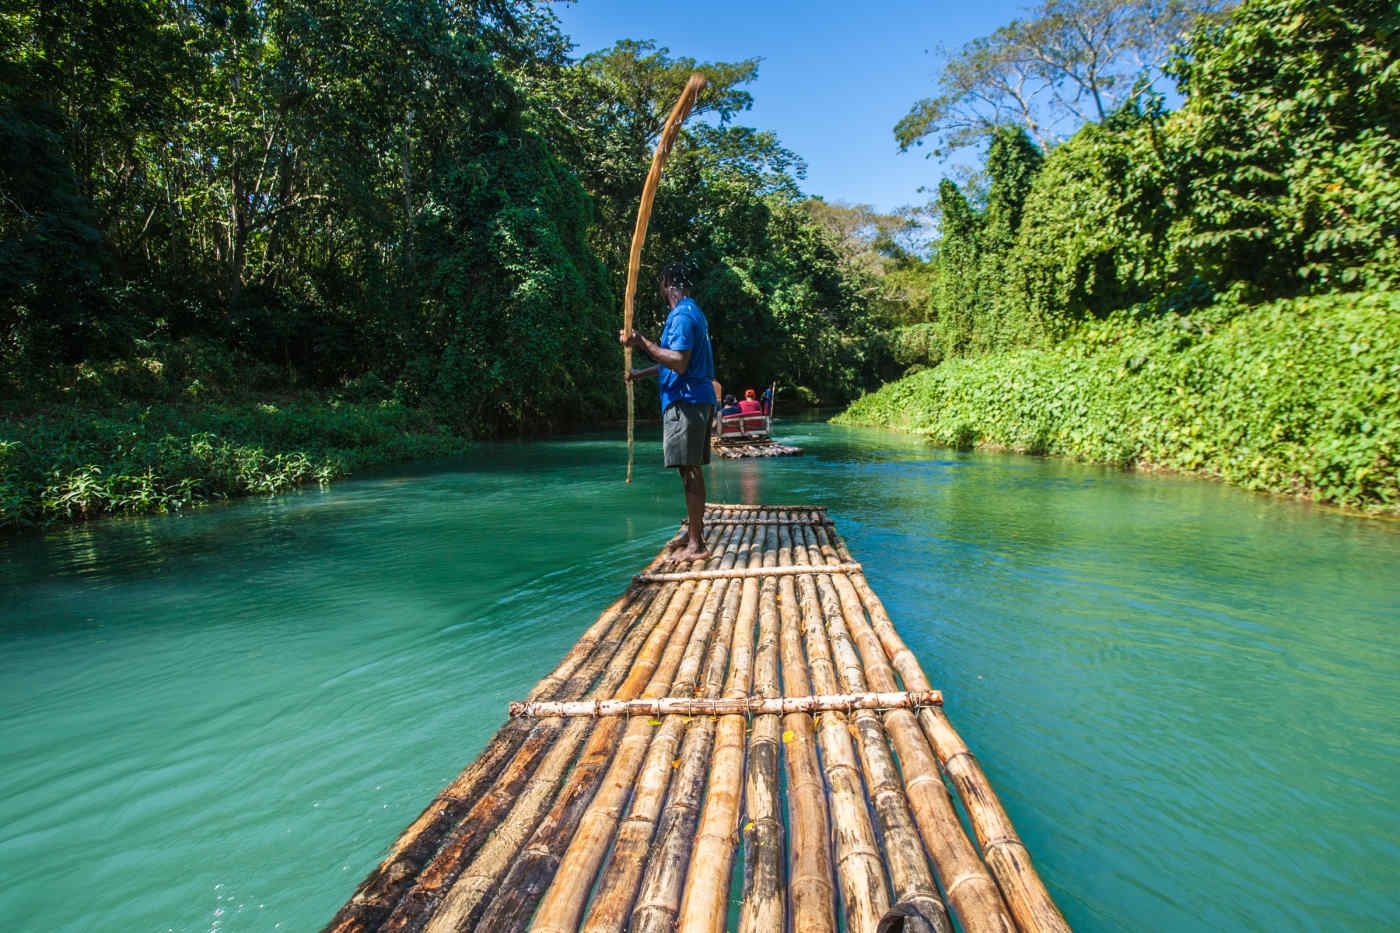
[(247, 245), (1208, 289), (243, 245)]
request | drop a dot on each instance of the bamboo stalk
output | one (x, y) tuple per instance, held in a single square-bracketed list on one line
[(911, 880), (865, 893), (1007, 857), (534, 868), (764, 895), (750, 705), (763, 521), (466, 899), (704, 905), (527, 774), (384, 887), (813, 897), (621, 875), (970, 888), (659, 897), (717, 507), (692, 90), (739, 573)]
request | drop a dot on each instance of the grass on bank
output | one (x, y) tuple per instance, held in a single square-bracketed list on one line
[(1298, 396), (78, 462)]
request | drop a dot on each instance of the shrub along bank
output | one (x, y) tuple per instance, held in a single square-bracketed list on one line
[(1298, 396), (79, 463)]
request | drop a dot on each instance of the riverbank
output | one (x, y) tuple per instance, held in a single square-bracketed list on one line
[(80, 462), (1298, 396)]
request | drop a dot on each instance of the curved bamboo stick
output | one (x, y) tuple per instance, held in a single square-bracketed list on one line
[(534, 868), (639, 233), (384, 887), (1007, 857), (742, 573), (904, 851), (813, 897), (622, 874), (663, 879), (764, 895), (704, 905), (865, 893)]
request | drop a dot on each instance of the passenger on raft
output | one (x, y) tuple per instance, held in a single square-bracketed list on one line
[(686, 371), (731, 406), (750, 404)]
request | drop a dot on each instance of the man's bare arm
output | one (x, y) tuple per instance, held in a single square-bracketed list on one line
[(678, 361), (636, 374)]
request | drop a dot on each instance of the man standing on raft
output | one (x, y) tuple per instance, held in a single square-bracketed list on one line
[(686, 371)]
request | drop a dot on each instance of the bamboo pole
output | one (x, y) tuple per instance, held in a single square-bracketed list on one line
[(382, 889), (970, 888), (1007, 857), (764, 894), (564, 901), (911, 880), (860, 871), (704, 905), (813, 897), (466, 899), (527, 774), (534, 868), (621, 875), (663, 877), (692, 90), (755, 705)]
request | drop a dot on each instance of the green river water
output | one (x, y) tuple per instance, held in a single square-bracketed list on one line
[(1186, 694)]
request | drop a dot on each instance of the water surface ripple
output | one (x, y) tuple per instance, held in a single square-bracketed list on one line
[(1185, 694)]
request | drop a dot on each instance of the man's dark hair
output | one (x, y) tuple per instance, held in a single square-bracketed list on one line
[(676, 274)]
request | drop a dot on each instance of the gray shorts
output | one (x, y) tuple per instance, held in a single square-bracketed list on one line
[(685, 434)]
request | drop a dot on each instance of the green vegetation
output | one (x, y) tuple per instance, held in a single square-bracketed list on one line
[(1210, 289), (1298, 396)]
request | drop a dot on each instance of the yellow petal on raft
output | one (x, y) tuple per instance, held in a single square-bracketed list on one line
[(654, 722), (787, 735)]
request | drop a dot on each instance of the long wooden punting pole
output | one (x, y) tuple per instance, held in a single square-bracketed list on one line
[(382, 889), (563, 903), (753, 705), (910, 877), (860, 872), (467, 899), (765, 895), (705, 903), (663, 879), (1026, 896), (693, 87), (812, 894), (534, 869), (620, 878)]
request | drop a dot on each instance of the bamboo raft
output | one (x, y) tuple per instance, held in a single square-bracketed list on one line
[(755, 715), (752, 447)]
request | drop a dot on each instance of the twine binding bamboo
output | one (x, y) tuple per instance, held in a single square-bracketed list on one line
[(738, 574), (751, 705)]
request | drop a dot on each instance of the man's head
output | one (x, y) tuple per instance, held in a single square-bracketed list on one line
[(675, 282)]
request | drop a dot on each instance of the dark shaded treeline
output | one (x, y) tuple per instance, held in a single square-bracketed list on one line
[(422, 200)]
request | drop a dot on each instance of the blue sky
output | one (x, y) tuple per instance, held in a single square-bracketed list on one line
[(835, 76)]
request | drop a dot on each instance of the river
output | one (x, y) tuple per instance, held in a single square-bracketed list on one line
[(1186, 694)]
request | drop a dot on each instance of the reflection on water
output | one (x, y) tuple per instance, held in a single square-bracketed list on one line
[(1185, 693)]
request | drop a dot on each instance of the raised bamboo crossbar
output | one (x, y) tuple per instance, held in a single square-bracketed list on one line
[(754, 714), (751, 705), (739, 574)]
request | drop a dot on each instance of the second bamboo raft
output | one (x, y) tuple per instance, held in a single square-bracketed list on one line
[(834, 809)]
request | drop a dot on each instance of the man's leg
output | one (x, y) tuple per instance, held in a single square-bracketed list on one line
[(693, 479)]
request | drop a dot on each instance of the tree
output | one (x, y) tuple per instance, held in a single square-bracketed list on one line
[(1073, 61)]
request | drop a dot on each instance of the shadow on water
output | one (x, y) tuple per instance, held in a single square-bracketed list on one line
[(1184, 693)]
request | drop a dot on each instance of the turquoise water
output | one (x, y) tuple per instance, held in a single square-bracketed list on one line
[(1186, 695)]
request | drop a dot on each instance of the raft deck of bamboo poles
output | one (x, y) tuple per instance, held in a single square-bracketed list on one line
[(751, 716), (752, 447)]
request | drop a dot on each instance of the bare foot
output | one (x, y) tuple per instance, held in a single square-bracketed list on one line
[(681, 537), (692, 552)]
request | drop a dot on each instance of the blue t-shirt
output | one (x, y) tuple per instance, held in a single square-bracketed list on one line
[(686, 329)]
